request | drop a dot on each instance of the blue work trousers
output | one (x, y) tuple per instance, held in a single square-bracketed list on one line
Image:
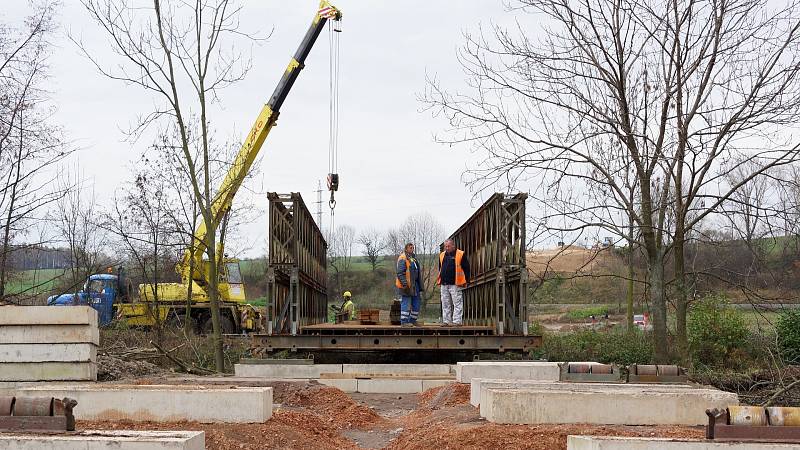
[(409, 309)]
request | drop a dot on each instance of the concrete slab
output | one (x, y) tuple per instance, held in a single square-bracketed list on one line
[(50, 334), (101, 440), (478, 386), (344, 384), (48, 315), (430, 384), (285, 370), (591, 404), (48, 353), (508, 370), (398, 369), (48, 371), (389, 386), (644, 443), (164, 403)]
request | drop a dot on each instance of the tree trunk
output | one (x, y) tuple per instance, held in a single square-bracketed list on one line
[(681, 297), (629, 304), (213, 295), (659, 307)]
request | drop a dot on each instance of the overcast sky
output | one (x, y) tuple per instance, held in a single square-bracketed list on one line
[(389, 164)]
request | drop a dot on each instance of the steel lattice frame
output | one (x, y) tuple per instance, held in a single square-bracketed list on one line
[(297, 273), (494, 241)]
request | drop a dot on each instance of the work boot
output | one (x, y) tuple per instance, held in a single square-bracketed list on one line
[(405, 325), (416, 324)]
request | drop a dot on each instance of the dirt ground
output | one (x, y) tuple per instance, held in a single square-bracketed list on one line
[(312, 416)]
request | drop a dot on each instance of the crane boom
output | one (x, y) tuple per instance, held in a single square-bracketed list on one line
[(252, 145)]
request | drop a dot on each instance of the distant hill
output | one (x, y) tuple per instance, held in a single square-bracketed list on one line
[(572, 259)]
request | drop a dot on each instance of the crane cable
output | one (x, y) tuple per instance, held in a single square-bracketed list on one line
[(333, 131)]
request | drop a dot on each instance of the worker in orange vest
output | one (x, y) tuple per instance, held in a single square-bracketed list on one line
[(409, 284), (453, 278)]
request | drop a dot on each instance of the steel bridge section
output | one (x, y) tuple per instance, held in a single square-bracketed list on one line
[(493, 239), (297, 274)]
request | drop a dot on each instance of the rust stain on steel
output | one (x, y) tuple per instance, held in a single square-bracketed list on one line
[(646, 369), (668, 370), (33, 406), (783, 416), (5, 405), (578, 368), (603, 369)]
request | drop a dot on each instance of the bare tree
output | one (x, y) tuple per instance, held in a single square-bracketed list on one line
[(373, 246), (662, 93), (76, 219), (30, 145), (181, 53), (341, 247)]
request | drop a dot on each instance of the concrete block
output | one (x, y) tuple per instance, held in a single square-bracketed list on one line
[(430, 384), (648, 443), (48, 371), (164, 403), (48, 315), (508, 370), (50, 334), (478, 386), (343, 384), (101, 440), (602, 404), (48, 353), (279, 371), (398, 369), (389, 386)]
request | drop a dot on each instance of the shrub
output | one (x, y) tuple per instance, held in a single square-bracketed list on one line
[(718, 334), (613, 346), (788, 329), (584, 313)]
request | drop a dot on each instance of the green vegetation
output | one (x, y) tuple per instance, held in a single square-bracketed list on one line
[(606, 346), (788, 328), (34, 282), (718, 334)]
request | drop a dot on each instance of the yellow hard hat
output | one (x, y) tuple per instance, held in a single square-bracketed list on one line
[(347, 294)]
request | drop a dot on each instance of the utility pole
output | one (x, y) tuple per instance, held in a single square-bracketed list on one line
[(319, 204)]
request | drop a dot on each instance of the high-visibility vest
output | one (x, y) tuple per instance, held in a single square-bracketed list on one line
[(408, 271), (461, 279), (350, 309)]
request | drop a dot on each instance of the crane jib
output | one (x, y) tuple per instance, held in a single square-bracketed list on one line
[(296, 64)]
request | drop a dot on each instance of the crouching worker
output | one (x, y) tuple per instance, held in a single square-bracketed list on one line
[(409, 286), (348, 307)]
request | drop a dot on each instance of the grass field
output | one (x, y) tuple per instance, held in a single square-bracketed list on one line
[(33, 282)]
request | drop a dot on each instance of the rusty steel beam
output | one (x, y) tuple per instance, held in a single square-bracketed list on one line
[(722, 426), (493, 239), (335, 342), (297, 273), (36, 414)]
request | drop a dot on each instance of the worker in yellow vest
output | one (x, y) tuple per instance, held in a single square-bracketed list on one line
[(348, 306), (409, 285), (453, 278)]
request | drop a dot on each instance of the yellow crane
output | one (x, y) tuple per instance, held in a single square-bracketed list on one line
[(236, 314)]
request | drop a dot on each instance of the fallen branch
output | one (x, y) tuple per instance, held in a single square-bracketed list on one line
[(780, 392), (194, 370)]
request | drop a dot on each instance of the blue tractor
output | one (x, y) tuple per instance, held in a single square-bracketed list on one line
[(100, 291)]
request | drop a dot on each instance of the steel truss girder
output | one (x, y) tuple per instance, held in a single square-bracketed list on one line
[(494, 240), (297, 273)]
